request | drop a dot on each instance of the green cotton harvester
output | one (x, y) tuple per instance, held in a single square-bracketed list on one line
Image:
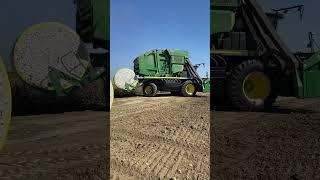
[(168, 71), (250, 65)]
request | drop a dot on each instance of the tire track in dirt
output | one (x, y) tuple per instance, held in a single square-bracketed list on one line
[(146, 105), (183, 142), (27, 167), (48, 159), (170, 139), (42, 148), (74, 148), (161, 163), (274, 145)]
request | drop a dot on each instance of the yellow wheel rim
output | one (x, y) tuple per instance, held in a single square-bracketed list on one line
[(148, 90), (190, 89), (256, 86)]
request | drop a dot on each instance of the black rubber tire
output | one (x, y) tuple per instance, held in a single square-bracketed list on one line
[(154, 90), (183, 88), (235, 81)]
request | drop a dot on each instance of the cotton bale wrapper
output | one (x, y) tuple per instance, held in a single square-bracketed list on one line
[(52, 58), (125, 82)]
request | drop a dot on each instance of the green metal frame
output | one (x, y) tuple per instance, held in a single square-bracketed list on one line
[(93, 21), (311, 76), (161, 63), (101, 20), (306, 80), (206, 86)]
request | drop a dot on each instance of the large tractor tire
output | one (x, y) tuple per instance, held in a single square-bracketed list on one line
[(5, 104), (188, 89), (250, 86), (150, 90)]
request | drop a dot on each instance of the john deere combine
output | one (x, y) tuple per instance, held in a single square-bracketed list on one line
[(250, 64), (167, 70)]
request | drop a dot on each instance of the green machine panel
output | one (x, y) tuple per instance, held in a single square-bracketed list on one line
[(101, 10), (147, 61), (163, 63), (93, 21), (311, 76), (178, 59), (206, 85), (177, 63), (222, 15), (221, 21), (312, 83), (225, 3)]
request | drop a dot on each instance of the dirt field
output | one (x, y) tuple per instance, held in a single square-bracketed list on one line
[(167, 137), (279, 145), (160, 137), (56, 146)]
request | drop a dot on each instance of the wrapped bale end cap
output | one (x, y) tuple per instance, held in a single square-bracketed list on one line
[(48, 55), (111, 94), (125, 83), (5, 104)]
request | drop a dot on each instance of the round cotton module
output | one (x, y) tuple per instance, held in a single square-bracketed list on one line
[(125, 79), (5, 104), (111, 94), (50, 47)]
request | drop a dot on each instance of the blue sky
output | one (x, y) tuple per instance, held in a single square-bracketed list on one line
[(139, 26), (291, 29)]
